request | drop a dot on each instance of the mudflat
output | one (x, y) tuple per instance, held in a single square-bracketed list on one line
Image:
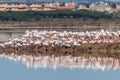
[(62, 23)]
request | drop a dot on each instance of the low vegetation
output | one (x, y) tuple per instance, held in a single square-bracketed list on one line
[(37, 15)]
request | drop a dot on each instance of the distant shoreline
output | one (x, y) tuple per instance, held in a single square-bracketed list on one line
[(59, 23)]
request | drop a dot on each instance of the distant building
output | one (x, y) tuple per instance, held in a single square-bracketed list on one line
[(3, 7), (55, 4), (118, 7), (35, 7), (81, 6), (97, 6), (20, 7), (100, 7), (13, 7), (41, 7), (69, 5), (48, 7)]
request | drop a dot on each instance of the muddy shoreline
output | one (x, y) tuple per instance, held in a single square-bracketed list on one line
[(95, 50), (58, 23)]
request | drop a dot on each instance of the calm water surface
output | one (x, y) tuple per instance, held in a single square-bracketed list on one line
[(10, 70)]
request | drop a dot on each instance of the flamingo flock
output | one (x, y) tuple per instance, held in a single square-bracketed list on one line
[(52, 38), (65, 38)]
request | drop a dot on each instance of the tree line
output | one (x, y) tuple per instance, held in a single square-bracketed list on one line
[(37, 15)]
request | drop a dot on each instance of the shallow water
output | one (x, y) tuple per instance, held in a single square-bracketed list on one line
[(10, 70)]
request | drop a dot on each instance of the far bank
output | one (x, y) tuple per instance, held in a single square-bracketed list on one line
[(65, 23)]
